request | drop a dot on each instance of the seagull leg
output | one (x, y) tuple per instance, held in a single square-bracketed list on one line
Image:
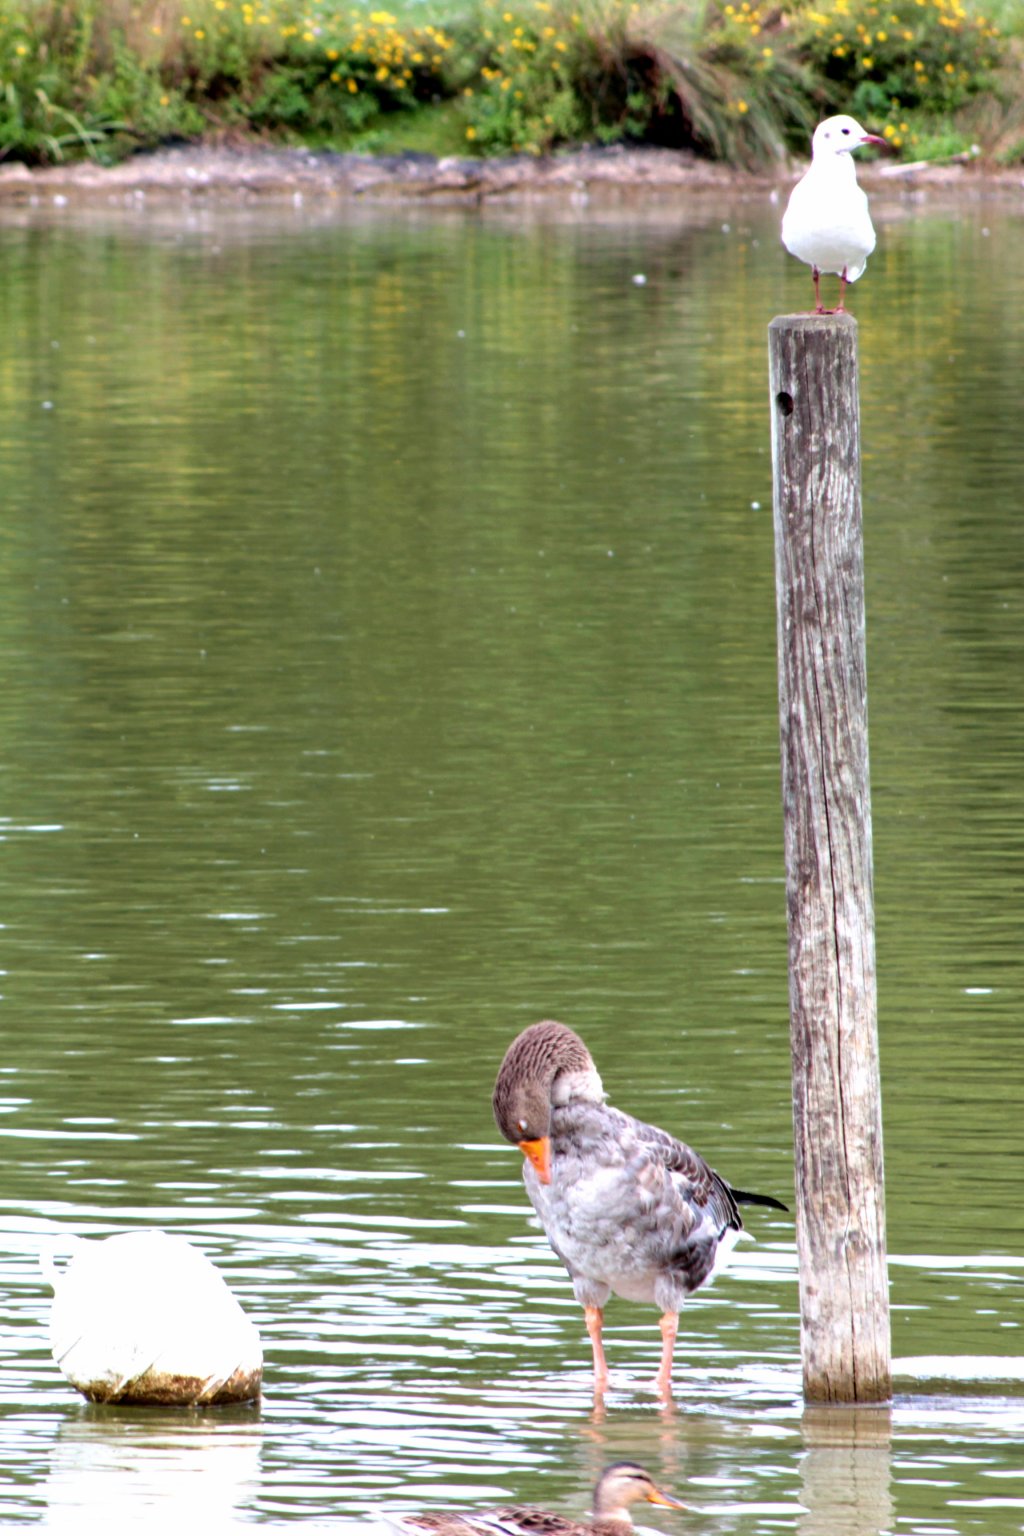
[(594, 1318), (840, 308), (669, 1325), (819, 308)]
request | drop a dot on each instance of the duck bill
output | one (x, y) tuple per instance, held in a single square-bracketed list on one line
[(538, 1152), (657, 1497)]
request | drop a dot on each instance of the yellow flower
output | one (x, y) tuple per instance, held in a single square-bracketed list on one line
[(867, 63), (332, 54), (353, 86), (949, 69), (471, 132), (200, 33), (742, 107)]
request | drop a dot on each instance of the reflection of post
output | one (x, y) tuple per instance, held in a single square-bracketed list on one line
[(837, 1122), (845, 1472)]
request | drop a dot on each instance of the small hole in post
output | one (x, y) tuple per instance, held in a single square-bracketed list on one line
[(784, 402)]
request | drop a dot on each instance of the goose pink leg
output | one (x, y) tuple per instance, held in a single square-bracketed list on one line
[(595, 1318), (669, 1325)]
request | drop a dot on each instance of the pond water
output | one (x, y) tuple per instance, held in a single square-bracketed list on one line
[(387, 658)]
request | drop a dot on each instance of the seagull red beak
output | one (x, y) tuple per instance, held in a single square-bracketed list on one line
[(873, 138), (539, 1154)]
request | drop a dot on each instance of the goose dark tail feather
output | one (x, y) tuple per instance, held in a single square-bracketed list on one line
[(744, 1197)]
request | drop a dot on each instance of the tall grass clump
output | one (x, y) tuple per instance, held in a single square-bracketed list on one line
[(722, 79), (726, 78)]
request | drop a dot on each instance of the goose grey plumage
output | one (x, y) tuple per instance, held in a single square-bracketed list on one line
[(626, 1207), (619, 1485)]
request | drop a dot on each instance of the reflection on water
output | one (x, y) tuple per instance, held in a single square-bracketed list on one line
[(846, 1472), (388, 661), (207, 1466)]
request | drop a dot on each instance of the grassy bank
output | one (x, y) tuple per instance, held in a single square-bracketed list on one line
[(740, 82)]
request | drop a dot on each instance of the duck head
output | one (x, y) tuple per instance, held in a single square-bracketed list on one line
[(625, 1483)]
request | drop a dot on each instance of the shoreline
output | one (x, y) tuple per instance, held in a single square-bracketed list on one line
[(613, 174)]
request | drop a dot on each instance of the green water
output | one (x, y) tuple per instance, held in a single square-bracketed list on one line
[(387, 658)]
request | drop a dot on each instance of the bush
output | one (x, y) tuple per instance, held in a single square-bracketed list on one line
[(516, 68), (883, 59), (739, 82)]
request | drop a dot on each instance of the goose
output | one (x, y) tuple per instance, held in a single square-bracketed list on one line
[(626, 1207)]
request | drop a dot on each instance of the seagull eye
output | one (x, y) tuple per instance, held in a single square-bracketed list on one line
[(847, 132)]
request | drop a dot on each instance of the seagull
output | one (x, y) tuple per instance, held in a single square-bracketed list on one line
[(625, 1206), (826, 222), (618, 1486)]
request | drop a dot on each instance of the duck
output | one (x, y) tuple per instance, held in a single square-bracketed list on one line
[(620, 1485), (627, 1208), (827, 223)]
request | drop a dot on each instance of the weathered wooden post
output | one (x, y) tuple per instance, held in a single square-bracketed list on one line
[(819, 566)]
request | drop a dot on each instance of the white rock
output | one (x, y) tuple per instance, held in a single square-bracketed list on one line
[(144, 1317)]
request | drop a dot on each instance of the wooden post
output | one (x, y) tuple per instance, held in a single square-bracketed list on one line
[(819, 573)]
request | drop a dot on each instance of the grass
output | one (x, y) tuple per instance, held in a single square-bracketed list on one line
[(739, 82)]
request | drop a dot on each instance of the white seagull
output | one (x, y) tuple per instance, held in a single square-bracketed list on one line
[(826, 222)]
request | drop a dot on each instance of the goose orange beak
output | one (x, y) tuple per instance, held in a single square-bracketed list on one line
[(538, 1152)]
